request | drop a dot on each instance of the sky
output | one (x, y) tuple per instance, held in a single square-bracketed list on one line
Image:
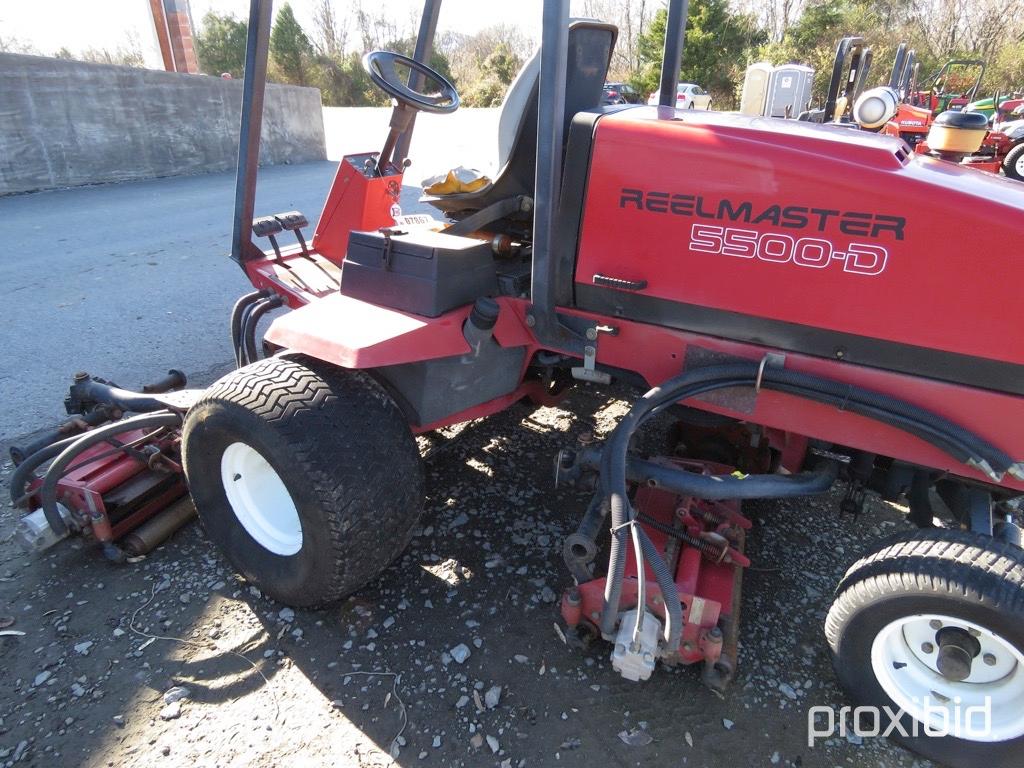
[(48, 25)]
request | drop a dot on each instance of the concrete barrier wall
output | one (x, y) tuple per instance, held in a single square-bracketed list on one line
[(67, 123)]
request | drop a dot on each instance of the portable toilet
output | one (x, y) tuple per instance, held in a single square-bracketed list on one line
[(755, 88), (789, 90)]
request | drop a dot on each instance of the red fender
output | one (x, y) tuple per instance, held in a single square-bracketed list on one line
[(354, 334)]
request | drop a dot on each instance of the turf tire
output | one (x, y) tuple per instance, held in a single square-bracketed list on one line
[(343, 451), (946, 572)]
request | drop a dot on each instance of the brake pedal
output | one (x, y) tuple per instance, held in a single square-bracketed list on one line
[(294, 221), (268, 227)]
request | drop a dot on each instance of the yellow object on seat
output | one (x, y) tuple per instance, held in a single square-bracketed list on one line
[(456, 181)]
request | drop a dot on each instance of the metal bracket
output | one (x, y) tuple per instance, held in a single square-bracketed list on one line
[(773, 359), (589, 370), (978, 503), (821, 453)]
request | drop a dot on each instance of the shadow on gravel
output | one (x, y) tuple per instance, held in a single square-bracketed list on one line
[(450, 656)]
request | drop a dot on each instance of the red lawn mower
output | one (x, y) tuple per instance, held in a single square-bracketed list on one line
[(951, 87), (800, 297)]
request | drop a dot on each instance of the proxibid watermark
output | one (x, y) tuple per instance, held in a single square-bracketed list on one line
[(938, 717)]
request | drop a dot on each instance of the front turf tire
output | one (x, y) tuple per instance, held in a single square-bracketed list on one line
[(1013, 163), (884, 632), (305, 475)]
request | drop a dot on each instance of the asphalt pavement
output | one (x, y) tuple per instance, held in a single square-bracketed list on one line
[(126, 281)]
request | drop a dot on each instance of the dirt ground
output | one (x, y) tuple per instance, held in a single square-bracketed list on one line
[(376, 679)]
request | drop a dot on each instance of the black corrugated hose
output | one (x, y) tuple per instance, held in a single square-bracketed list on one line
[(951, 438)]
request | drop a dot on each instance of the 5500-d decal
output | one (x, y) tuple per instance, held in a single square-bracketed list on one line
[(814, 252), (778, 247)]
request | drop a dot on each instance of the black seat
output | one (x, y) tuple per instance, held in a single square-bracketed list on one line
[(954, 118), (590, 51)]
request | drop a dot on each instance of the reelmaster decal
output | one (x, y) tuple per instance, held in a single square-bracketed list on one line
[(855, 223)]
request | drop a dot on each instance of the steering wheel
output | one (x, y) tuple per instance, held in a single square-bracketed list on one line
[(380, 66)]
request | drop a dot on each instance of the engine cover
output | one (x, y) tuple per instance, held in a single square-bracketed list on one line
[(823, 240)]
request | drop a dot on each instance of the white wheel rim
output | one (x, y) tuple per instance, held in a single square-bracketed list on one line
[(1019, 165), (905, 667), (260, 500)]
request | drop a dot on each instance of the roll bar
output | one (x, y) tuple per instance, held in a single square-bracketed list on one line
[(675, 30), (973, 90), (851, 48), (257, 44), (898, 66), (550, 139), (547, 325), (424, 50)]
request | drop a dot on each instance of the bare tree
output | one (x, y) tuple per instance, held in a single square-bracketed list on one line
[(467, 53), (329, 37), (13, 44), (775, 16), (981, 27), (377, 30), (631, 17)]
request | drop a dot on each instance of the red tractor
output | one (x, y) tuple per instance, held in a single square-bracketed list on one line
[(801, 297)]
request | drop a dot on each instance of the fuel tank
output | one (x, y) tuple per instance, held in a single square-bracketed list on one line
[(826, 241)]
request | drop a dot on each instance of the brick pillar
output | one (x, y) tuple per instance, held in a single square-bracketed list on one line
[(179, 28), (156, 7)]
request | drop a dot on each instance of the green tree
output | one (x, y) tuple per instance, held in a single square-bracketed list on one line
[(813, 38), (717, 45), (344, 83), (498, 71), (290, 49), (220, 44)]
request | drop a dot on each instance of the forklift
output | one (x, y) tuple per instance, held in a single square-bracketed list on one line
[(799, 297)]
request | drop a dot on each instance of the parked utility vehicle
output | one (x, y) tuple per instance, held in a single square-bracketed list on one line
[(815, 304)]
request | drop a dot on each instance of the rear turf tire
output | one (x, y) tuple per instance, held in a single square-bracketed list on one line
[(305, 475), (884, 624)]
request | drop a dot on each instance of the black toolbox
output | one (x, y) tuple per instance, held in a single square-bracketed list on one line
[(419, 271)]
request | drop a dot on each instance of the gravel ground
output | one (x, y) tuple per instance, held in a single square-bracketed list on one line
[(450, 658)]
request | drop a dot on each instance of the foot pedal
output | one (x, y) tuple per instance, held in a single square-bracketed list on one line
[(268, 226), (294, 221)]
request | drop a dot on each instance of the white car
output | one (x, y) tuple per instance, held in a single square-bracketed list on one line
[(688, 96)]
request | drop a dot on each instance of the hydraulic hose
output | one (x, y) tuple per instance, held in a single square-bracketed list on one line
[(947, 436), (122, 399), (673, 608), (721, 487), (48, 490), (999, 460), (252, 319), (237, 312), (613, 480), (580, 549), (23, 472), (93, 418)]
